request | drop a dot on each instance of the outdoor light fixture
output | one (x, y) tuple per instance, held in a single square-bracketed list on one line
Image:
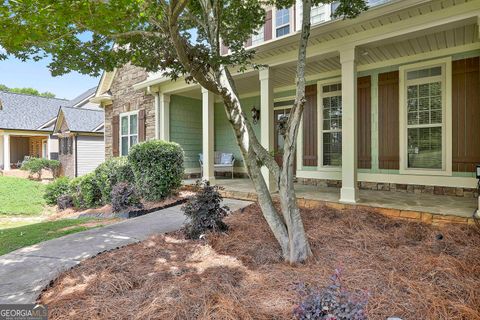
[(478, 171), (255, 115)]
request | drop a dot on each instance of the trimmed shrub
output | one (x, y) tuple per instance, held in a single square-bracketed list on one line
[(205, 211), (36, 165), (85, 191), (124, 195), (55, 189), (109, 173), (332, 302), (158, 168)]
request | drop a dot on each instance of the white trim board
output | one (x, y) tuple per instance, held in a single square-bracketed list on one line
[(444, 181)]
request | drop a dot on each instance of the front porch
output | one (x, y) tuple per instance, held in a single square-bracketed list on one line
[(430, 208), (391, 103), (15, 147)]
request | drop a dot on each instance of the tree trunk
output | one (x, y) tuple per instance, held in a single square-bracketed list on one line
[(289, 231)]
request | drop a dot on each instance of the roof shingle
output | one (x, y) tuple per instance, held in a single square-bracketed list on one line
[(83, 120), (27, 112)]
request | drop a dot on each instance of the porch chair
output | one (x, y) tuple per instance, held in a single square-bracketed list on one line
[(19, 164), (223, 162)]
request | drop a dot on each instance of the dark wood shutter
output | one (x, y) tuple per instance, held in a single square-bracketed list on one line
[(465, 114), (310, 136), (364, 131), (141, 125), (267, 30), (388, 123), (115, 136)]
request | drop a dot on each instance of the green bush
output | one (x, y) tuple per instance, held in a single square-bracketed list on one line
[(158, 168), (36, 165), (111, 172), (85, 191), (59, 187)]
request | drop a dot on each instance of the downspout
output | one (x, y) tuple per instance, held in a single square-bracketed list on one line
[(75, 156)]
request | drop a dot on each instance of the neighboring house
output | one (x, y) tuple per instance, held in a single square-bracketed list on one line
[(83, 100), (393, 99), (27, 123), (80, 137)]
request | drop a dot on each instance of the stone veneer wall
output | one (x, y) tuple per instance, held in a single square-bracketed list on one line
[(125, 99), (396, 187), (67, 161)]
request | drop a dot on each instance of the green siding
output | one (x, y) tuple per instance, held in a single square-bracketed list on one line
[(186, 127), (225, 140), (186, 122)]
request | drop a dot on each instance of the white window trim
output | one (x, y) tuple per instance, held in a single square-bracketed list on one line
[(122, 115), (446, 64), (320, 95), (260, 36), (274, 23), (327, 10)]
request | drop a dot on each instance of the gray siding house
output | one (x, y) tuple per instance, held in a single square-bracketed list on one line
[(81, 142), (27, 125)]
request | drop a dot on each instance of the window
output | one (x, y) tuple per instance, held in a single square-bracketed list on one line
[(258, 37), (425, 117), (331, 101), (70, 145), (282, 22), (318, 14), (65, 145), (128, 131)]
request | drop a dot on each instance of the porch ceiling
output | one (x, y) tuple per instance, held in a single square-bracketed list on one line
[(457, 34), (376, 18), (422, 42)]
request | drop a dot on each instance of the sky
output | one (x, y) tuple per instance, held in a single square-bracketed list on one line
[(15, 73)]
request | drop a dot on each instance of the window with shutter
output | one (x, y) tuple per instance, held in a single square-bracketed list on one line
[(128, 131), (423, 122)]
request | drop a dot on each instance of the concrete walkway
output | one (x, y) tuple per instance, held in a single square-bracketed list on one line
[(26, 272)]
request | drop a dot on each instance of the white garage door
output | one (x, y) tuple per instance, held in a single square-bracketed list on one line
[(90, 153)]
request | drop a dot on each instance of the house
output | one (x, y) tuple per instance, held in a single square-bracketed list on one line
[(83, 100), (393, 99), (27, 126), (80, 138)]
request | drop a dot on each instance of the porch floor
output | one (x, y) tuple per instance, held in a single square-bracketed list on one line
[(435, 204)]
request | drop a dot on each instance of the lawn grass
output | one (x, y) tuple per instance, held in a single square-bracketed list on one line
[(21, 196), (16, 238)]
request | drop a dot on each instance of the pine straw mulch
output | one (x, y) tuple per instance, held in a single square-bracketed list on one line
[(406, 269), (106, 211)]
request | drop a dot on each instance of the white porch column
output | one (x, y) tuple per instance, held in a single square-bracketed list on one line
[(266, 120), (349, 191), (208, 137), (49, 147), (6, 152), (164, 116)]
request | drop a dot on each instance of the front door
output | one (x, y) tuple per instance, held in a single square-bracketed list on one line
[(281, 116)]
